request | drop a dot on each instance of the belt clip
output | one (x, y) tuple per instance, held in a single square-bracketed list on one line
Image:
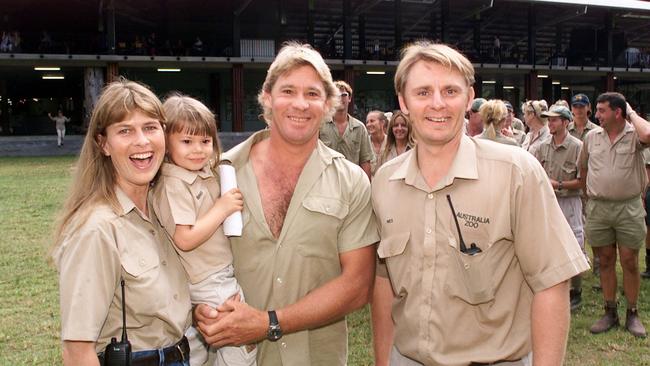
[(178, 347)]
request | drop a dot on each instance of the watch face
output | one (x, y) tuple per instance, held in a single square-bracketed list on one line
[(274, 334)]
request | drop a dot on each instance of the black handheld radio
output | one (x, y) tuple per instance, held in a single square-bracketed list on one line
[(119, 353)]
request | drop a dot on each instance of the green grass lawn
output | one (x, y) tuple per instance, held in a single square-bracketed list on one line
[(31, 192)]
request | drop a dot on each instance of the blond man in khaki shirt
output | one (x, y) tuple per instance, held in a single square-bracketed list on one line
[(559, 158), (347, 134), (482, 280), (306, 251), (612, 168)]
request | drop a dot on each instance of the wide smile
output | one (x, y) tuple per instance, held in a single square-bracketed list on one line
[(142, 160), (299, 119), (437, 119)]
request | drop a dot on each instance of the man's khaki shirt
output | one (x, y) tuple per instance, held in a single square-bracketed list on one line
[(581, 136), (561, 162), (112, 245), (354, 144), (330, 213), (180, 197), (615, 171), (452, 308)]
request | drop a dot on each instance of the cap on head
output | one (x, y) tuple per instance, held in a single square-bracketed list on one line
[(579, 99), (508, 106), (477, 103), (559, 111)]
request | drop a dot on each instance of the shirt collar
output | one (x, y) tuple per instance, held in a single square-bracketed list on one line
[(464, 166), (239, 155), (124, 201), (188, 176)]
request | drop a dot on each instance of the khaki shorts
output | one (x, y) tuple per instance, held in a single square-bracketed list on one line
[(616, 222)]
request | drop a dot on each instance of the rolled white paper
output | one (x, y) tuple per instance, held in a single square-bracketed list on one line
[(233, 224)]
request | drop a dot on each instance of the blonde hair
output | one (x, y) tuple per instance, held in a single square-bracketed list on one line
[(340, 84), (188, 115), (291, 56), (95, 177), (493, 113), (433, 52), (390, 136), (537, 107)]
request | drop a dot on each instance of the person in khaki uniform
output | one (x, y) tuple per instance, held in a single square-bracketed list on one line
[(399, 139), (376, 124), (109, 237), (306, 255), (471, 284), (579, 127), (559, 158), (581, 109), (188, 200), (513, 127), (493, 113), (613, 173), (347, 134), (538, 133), (646, 204)]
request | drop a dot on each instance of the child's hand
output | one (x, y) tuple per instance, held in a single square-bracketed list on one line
[(231, 201)]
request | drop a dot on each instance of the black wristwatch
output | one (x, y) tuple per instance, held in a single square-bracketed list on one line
[(274, 333)]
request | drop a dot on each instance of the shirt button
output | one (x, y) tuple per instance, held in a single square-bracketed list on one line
[(430, 196), (279, 280), (327, 208), (175, 297), (466, 265), (284, 344), (142, 262), (164, 262), (152, 232), (429, 230)]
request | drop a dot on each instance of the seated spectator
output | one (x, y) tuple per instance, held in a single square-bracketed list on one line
[(197, 47)]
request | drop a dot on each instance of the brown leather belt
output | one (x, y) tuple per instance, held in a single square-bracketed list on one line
[(178, 352)]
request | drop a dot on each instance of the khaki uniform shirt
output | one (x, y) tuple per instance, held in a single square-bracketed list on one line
[(615, 171), (330, 213), (499, 138), (180, 197), (581, 136), (354, 144), (375, 162), (391, 153), (452, 308), (561, 162), (518, 125), (109, 246), (519, 136), (531, 144)]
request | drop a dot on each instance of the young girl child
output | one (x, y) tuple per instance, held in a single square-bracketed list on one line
[(188, 203)]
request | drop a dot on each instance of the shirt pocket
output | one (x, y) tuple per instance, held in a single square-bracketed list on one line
[(323, 221), (569, 171), (392, 249), (624, 156), (138, 265), (470, 277)]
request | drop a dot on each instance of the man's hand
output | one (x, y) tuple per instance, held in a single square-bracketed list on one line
[(233, 323)]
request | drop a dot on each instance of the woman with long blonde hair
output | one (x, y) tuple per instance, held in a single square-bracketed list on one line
[(109, 242), (399, 137)]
